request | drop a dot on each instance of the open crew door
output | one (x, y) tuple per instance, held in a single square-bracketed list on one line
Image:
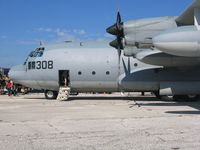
[(64, 84), (64, 78)]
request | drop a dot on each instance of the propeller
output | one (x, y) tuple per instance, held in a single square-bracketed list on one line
[(118, 31)]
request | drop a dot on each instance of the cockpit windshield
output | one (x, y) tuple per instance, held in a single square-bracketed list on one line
[(38, 52)]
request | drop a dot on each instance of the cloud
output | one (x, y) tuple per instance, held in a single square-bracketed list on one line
[(64, 34), (108, 35), (74, 34), (48, 30), (3, 37), (67, 37), (59, 32), (45, 29), (101, 39), (27, 42), (80, 32)]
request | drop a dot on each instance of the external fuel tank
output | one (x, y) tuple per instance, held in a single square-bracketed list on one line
[(182, 41)]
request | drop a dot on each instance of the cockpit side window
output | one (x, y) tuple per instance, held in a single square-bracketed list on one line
[(29, 65), (31, 54), (25, 61)]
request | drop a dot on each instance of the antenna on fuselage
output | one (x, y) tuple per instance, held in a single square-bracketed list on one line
[(118, 5), (41, 43)]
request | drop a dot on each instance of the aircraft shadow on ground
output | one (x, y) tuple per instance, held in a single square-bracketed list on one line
[(113, 98), (37, 98), (193, 104), (184, 112), (74, 98), (153, 101), (98, 98)]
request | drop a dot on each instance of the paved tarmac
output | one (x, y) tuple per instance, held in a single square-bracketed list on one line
[(98, 122)]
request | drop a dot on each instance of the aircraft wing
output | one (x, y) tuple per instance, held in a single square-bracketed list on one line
[(187, 17)]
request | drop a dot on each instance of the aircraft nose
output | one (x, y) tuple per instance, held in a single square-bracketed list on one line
[(16, 73)]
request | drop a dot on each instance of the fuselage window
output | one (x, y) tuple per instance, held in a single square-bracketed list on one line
[(79, 73), (107, 72), (93, 72), (135, 64), (25, 61)]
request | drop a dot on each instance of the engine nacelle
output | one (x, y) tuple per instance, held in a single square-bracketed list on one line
[(140, 32), (182, 41)]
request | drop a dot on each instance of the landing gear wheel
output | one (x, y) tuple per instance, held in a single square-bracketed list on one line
[(193, 97), (50, 94), (162, 97), (180, 97), (186, 97)]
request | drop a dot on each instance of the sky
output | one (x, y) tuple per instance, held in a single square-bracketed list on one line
[(23, 23)]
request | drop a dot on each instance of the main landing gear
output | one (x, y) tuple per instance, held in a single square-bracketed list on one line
[(177, 97), (186, 97), (50, 94)]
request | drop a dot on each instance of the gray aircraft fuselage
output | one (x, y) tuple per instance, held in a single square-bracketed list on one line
[(93, 66)]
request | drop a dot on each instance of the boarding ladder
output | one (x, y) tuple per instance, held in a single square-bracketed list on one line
[(64, 92)]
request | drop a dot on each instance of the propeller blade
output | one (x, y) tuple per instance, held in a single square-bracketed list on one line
[(119, 56), (115, 44), (112, 30), (118, 20), (117, 28)]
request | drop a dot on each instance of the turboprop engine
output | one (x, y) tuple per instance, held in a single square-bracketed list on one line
[(138, 33)]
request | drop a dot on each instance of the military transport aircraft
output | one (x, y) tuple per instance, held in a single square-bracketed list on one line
[(96, 67)]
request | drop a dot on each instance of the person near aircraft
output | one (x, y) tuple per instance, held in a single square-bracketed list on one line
[(1, 85), (65, 78), (9, 87), (15, 89)]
